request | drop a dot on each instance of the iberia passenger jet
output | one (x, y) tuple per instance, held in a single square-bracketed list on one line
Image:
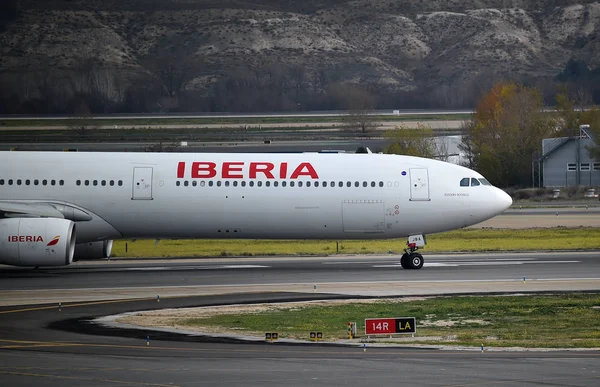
[(59, 206)]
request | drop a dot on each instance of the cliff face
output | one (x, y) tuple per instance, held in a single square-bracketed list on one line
[(391, 46)]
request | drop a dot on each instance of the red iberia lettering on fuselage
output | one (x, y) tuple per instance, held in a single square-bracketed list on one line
[(244, 170), (25, 238)]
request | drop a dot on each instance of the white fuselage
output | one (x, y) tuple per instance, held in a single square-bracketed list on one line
[(209, 195)]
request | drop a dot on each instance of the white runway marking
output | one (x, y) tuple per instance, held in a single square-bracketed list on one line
[(462, 260), (476, 263), (215, 267)]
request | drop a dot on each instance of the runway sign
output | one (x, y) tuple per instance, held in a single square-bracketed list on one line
[(316, 336), (390, 326), (271, 336)]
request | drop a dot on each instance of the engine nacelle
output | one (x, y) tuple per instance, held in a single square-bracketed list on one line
[(93, 250), (37, 241)]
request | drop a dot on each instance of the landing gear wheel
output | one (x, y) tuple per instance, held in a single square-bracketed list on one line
[(404, 260), (415, 261)]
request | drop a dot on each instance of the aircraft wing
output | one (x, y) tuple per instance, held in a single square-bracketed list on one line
[(10, 209)]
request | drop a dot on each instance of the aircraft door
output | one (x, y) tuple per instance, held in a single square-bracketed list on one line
[(419, 184), (142, 183)]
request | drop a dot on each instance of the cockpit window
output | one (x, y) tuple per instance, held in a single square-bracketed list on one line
[(484, 182), (474, 182), (464, 182)]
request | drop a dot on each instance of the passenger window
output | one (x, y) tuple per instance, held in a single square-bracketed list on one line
[(348, 184), (308, 183), (364, 183), (324, 184), (45, 182), (104, 183), (19, 182), (178, 183), (243, 183), (356, 183), (227, 183), (10, 181), (87, 182), (381, 183), (299, 184), (283, 183), (275, 183), (53, 182), (235, 183), (292, 183), (267, 183), (1, 181), (259, 183), (316, 183), (62, 182), (78, 182), (27, 182), (464, 182), (120, 183), (210, 183), (341, 184), (219, 183), (186, 183), (95, 182), (251, 184), (474, 182)]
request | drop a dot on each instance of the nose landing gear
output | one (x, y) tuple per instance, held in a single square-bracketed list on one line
[(411, 259)]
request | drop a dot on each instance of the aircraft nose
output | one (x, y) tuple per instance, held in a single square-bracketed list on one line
[(503, 200)]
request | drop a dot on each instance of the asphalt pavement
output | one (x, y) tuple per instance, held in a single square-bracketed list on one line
[(44, 344)]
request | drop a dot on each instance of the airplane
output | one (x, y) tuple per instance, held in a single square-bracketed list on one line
[(57, 207)]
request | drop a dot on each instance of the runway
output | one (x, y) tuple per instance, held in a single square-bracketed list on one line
[(373, 275), (40, 344)]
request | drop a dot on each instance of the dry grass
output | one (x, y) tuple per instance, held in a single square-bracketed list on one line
[(461, 240)]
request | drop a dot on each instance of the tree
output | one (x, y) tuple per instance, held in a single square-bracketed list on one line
[(360, 104), (570, 118), (505, 132), (412, 142), (82, 117), (173, 64)]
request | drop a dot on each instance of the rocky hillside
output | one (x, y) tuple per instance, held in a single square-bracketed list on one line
[(237, 54)]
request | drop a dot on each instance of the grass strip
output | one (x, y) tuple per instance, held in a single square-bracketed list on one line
[(540, 321), (465, 240)]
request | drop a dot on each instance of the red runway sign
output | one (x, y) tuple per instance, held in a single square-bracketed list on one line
[(390, 326)]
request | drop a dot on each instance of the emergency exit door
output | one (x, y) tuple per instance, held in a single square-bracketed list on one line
[(142, 183), (419, 184)]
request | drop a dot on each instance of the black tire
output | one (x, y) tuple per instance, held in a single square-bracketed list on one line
[(404, 261), (415, 261)]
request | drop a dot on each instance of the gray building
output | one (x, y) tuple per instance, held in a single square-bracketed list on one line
[(566, 161)]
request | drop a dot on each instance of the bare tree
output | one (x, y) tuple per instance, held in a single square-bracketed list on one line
[(173, 65), (360, 104), (82, 119), (441, 147)]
